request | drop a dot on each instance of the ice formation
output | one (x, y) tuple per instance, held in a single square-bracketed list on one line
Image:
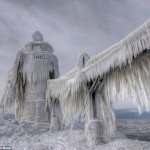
[(27, 81), (87, 91), (125, 67)]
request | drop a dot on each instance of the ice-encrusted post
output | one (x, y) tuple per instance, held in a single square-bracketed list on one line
[(94, 124), (55, 116)]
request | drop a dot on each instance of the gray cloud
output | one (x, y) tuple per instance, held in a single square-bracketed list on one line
[(71, 27)]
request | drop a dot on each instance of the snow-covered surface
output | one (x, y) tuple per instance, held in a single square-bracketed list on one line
[(24, 136)]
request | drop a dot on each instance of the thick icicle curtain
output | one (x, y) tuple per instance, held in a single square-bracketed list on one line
[(127, 68), (13, 91)]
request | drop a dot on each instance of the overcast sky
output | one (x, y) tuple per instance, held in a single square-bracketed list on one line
[(70, 26)]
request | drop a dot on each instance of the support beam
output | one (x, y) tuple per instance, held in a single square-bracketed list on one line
[(55, 116), (55, 124), (94, 125)]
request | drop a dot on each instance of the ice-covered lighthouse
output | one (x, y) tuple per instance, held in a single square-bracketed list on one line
[(27, 81)]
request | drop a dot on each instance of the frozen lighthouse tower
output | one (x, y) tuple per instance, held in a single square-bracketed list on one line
[(27, 81), (39, 65)]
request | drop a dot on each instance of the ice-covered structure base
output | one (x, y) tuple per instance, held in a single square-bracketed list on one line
[(95, 132)]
